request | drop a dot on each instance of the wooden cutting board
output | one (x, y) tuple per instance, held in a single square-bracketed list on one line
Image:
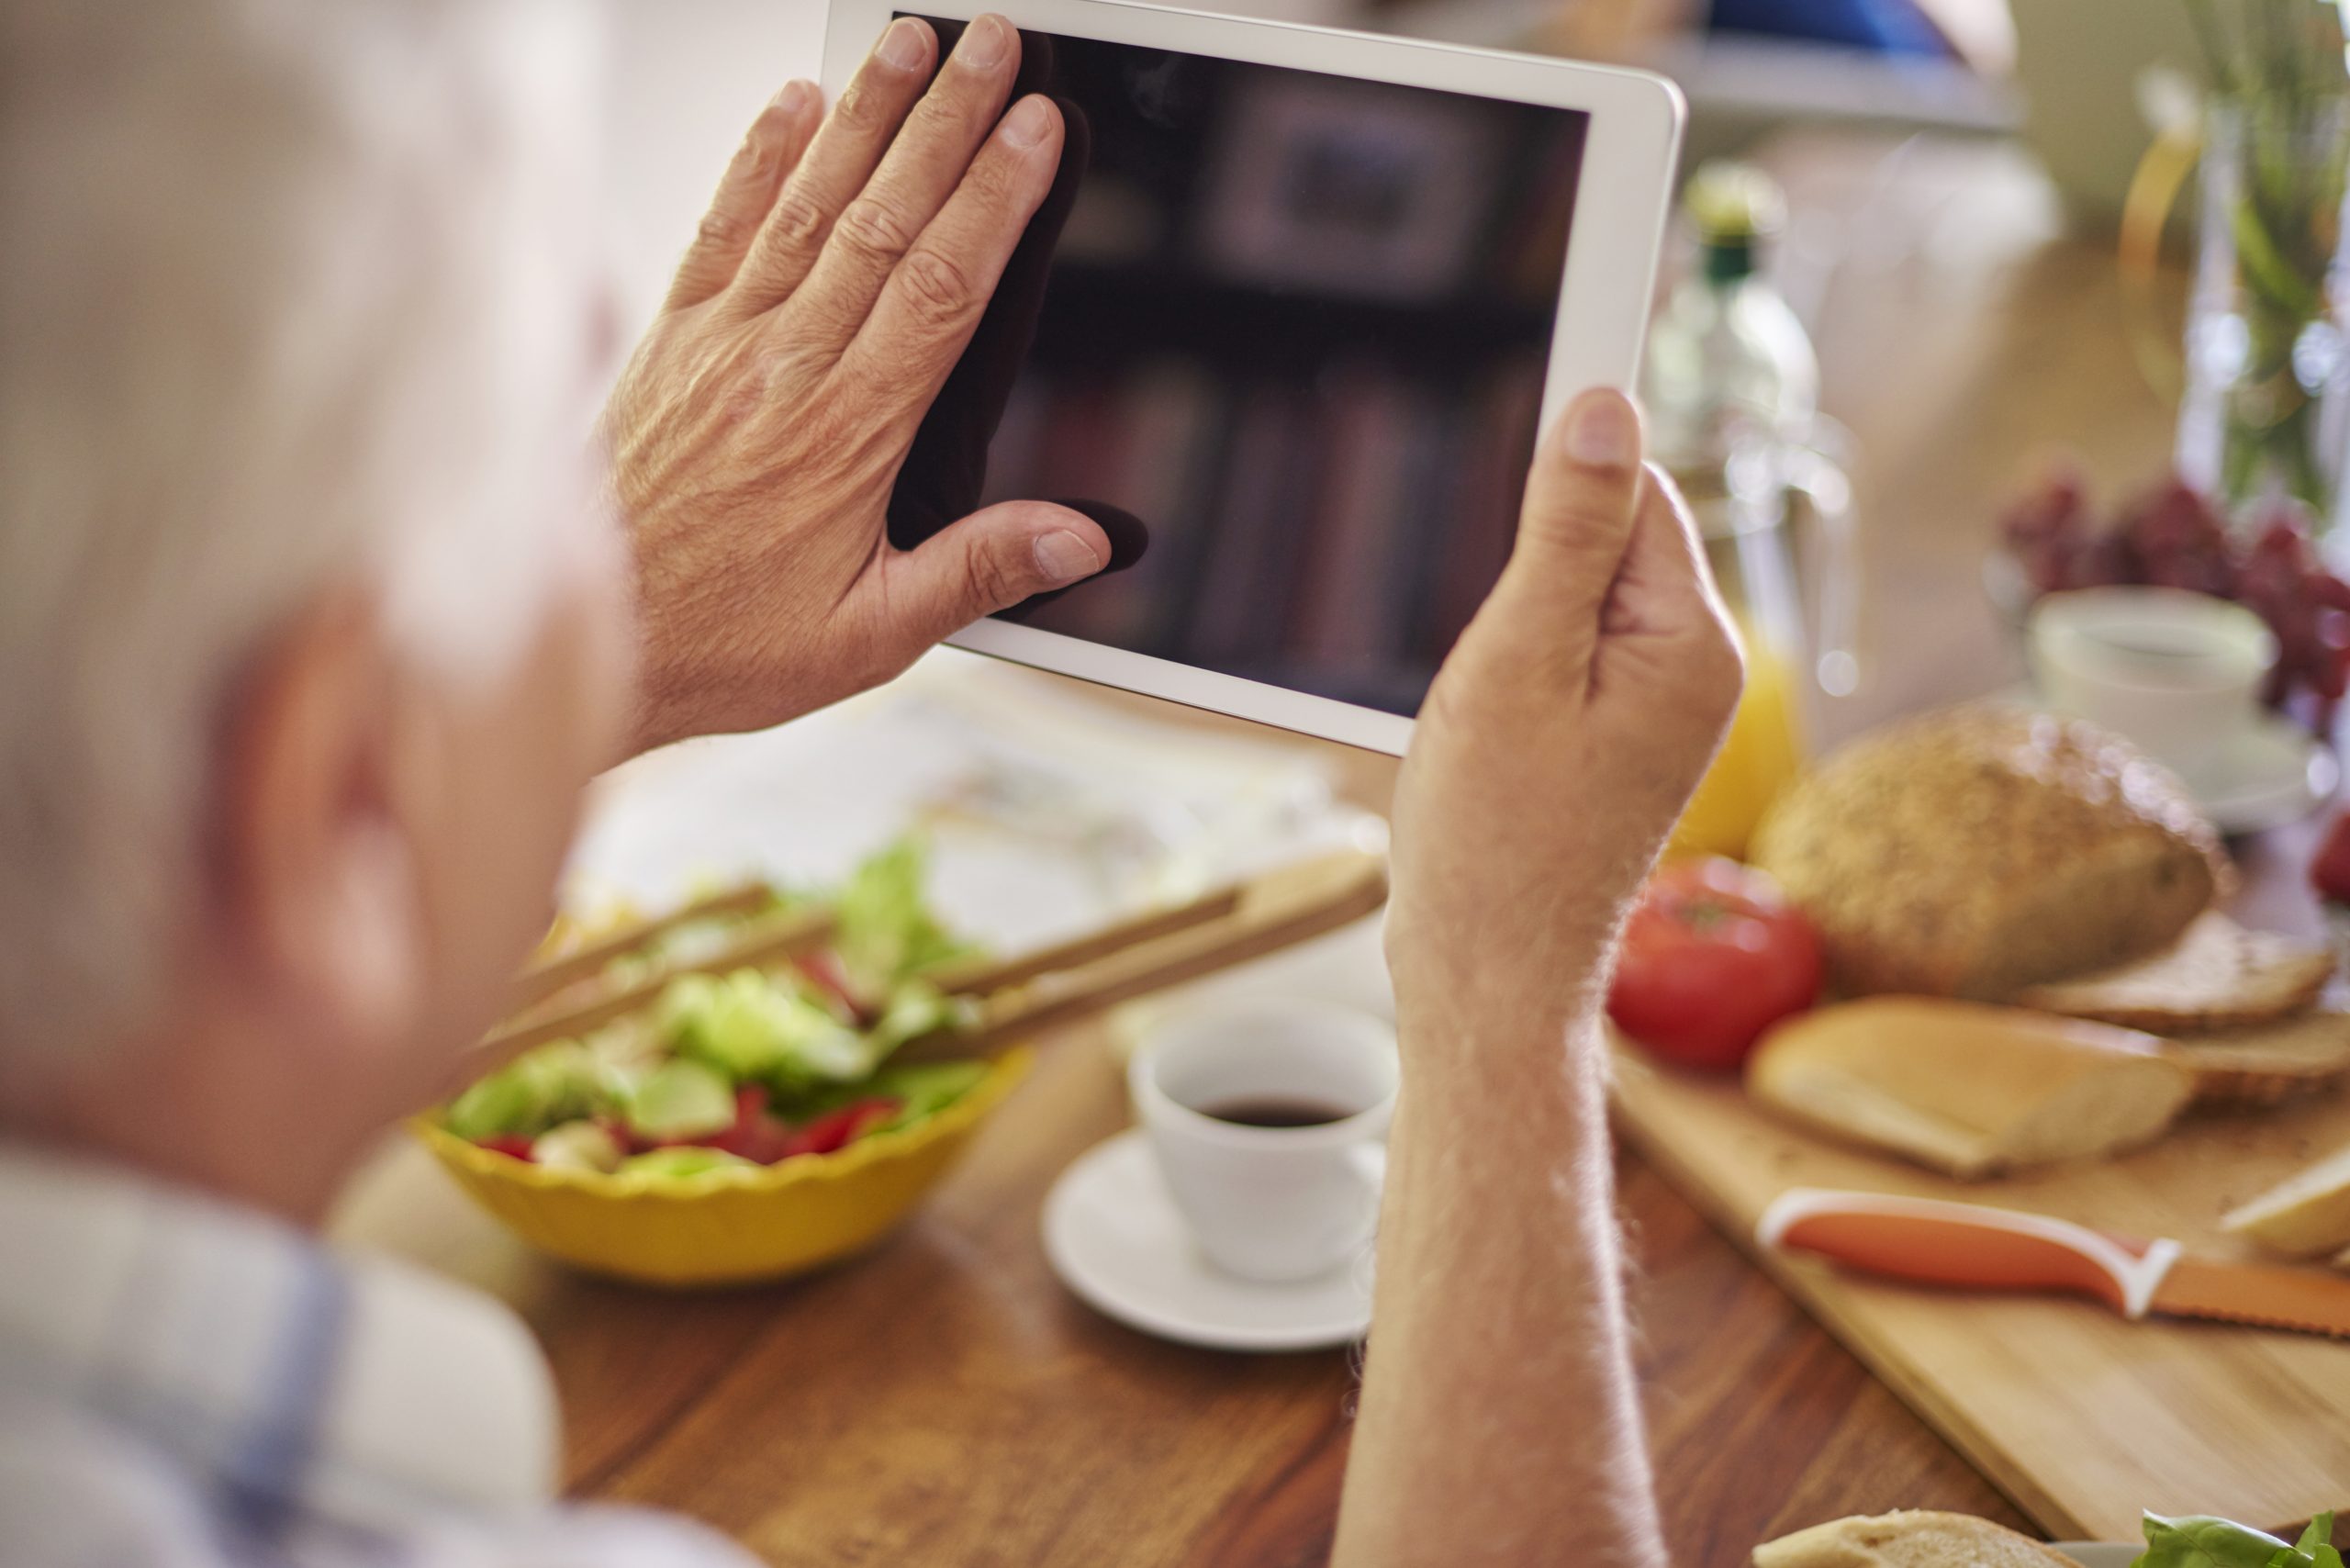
[(2082, 1418)]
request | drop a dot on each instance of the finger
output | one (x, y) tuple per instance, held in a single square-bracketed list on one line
[(922, 168), (989, 561), (934, 297), (846, 151), (946, 467), (745, 194)]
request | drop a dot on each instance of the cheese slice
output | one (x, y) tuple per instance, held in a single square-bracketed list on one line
[(2305, 1215)]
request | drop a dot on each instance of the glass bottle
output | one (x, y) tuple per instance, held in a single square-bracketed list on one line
[(1731, 389)]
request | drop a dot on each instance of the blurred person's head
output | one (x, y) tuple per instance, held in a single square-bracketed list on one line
[(311, 614)]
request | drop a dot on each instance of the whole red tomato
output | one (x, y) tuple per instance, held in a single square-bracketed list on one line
[(1713, 956), (2329, 872)]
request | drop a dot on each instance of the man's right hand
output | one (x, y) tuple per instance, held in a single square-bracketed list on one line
[(1500, 1422), (1564, 733)]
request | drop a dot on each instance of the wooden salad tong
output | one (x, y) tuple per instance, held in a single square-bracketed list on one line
[(1018, 997)]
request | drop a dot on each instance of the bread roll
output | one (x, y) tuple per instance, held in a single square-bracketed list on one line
[(2216, 976), (1966, 1089), (1916, 1539), (1978, 850)]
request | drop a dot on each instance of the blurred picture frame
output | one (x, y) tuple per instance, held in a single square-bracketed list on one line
[(1350, 188)]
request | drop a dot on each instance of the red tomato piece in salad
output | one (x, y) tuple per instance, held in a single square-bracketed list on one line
[(756, 1134), (512, 1144), (1713, 954), (838, 1129)]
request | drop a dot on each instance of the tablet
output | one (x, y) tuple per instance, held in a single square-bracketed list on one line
[(1288, 326)]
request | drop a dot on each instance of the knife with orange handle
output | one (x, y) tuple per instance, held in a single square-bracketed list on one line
[(1969, 1246)]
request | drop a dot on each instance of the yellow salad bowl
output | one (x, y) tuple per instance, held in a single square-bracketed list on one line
[(730, 1226)]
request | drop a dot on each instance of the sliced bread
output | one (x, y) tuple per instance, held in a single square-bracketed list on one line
[(2256, 1067), (1979, 850), (2305, 1215), (1913, 1539), (1969, 1089), (2216, 976)]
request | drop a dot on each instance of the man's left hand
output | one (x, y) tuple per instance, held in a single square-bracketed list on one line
[(758, 433)]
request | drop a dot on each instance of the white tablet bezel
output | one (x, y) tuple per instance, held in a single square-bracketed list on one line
[(1630, 144)]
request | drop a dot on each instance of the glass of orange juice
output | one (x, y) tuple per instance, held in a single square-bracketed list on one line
[(1763, 751), (1749, 535)]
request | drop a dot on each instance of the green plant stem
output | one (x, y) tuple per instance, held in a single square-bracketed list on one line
[(2268, 270)]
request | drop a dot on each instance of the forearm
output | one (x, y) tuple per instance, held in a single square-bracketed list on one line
[(1499, 1418)]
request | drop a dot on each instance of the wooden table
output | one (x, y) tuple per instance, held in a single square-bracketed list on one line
[(945, 1400)]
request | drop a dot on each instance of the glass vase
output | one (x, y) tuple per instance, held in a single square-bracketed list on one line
[(2266, 414)]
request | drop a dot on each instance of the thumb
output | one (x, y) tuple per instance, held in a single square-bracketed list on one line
[(989, 561), (1572, 532), (1581, 500)]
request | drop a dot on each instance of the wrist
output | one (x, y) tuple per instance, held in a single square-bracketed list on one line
[(1508, 1098), (1486, 983), (1495, 1049)]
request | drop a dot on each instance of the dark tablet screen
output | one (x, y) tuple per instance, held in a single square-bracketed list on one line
[(1286, 334)]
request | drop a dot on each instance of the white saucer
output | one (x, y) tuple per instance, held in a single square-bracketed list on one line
[(2275, 773), (1113, 1234), (2278, 773)]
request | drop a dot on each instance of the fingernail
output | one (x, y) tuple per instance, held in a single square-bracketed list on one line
[(1063, 557), (793, 99), (1603, 430), (903, 47), (1026, 124), (984, 42)]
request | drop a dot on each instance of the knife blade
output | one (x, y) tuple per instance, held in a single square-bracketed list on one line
[(1978, 1246)]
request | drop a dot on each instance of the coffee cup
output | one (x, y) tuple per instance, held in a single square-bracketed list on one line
[(2180, 673), (1267, 1119)]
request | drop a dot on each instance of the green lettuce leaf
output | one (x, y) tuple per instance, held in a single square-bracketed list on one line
[(553, 1083), (917, 1008), (2317, 1540), (2201, 1541), (754, 1027), (884, 932), (681, 1098), (927, 1088)]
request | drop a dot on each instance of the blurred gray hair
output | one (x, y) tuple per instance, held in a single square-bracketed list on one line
[(291, 295)]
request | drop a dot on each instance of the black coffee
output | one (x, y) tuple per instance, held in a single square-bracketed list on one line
[(1272, 1113)]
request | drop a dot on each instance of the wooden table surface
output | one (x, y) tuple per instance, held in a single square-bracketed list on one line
[(945, 1400)]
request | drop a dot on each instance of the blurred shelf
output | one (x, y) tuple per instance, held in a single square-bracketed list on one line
[(1742, 79)]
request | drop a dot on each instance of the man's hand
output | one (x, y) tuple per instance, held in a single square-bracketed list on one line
[(1566, 731), (1500, 1424), (757, 434)]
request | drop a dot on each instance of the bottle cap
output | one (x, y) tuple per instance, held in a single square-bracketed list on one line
[(1735, 208), (1730, 203)]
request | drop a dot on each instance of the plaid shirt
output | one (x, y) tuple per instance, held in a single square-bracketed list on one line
[(189, 1385)]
